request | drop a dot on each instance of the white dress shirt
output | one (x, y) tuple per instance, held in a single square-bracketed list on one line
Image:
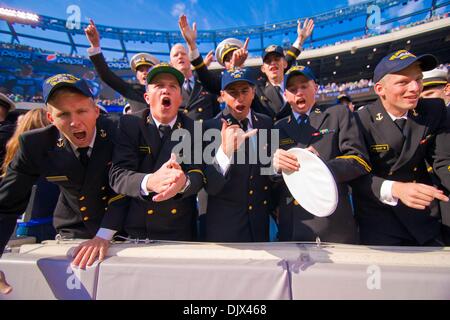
[(386, 187), (144, 190), (222, 159)]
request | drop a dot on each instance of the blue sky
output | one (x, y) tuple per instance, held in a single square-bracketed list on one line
[(163, 14), (208, 14)]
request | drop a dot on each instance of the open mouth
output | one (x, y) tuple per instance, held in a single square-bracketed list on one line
[(300, 101), (273, 69), (166, 102), (80, 135), (240, 108)]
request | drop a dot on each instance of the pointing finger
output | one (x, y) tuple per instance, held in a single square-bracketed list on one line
[(246, 44)]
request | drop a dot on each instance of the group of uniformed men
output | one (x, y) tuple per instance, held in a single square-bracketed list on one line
[(126, 179)]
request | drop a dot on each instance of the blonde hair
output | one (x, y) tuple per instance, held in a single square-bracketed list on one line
[(33, 119)]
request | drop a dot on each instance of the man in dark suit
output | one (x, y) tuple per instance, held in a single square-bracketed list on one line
[(435, 83), (6, 128), (346, 100), (395, 205), (275, 63), (198, 104), (232, 53), (333, 135), (163, 204), (75, 153), (238, 191), (139, 63), (270, 91)]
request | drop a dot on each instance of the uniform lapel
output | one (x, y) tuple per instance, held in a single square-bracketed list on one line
[(189, 99), (316, 118), (303, 134), (63, 161), (414, 132), (386, 128), (293, 131), (195, 92), (151, 135), (275, 101), (166, 148), (100, 156)]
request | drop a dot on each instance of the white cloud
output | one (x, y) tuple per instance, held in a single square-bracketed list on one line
[(193, 2), (178, 9)]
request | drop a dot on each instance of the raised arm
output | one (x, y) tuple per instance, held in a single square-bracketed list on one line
[(98, 60)]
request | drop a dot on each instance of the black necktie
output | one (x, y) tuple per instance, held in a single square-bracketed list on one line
[(400, 123), (303, 119), (187, 86), (280, 93), (164, 130), (84, 158), (244, 124)]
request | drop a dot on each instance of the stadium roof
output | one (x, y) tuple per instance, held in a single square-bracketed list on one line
[(260, 32)]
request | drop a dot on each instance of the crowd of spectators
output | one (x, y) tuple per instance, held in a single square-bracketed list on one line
[(377, 32), (323, 89), (344, 87), (121, 102)]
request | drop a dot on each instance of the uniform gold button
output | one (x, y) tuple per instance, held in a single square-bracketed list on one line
[(85, 218), (201, 120), (200, 109), (250, 207), (296, 203), (415, 169), (150, 211), (104, 198), (250, 192), (173, 211), (251, 177), (82, 209), (390, 173), (266, 188), (185, 111), (103, 188), (265, 202), (82, 198)]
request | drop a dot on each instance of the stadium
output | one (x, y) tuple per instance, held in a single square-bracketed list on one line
[(344, 60), (347, 43)]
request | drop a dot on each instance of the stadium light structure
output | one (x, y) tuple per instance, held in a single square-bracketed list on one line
[(17, 15), (263, 33)]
